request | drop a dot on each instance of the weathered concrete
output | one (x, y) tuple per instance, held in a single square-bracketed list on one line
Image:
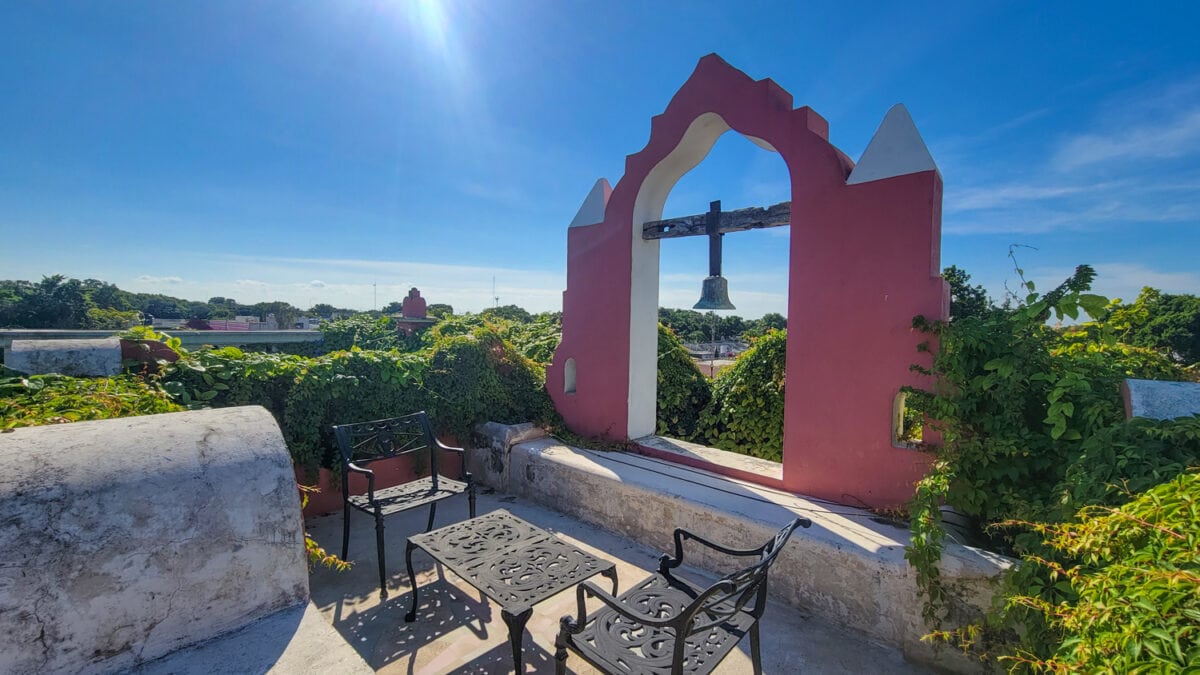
[(294, 640), (488, 460), (77, 358), (127, 539), (458, 631), (1160, 400), (191, 339), (848, 568)]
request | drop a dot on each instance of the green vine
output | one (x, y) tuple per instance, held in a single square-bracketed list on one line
[(683, 391), (1033, 431), (746, 411)]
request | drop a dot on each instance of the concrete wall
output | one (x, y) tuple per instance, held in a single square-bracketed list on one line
[(77, 358), (127, 539), (847, 568)]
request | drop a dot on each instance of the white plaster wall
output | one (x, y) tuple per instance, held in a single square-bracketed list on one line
[(127, 539), (695, 145)]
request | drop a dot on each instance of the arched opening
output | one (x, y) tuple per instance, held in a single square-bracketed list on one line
[(569, 377), (741, 174)]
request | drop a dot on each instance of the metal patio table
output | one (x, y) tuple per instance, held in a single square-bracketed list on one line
[(513, 562)]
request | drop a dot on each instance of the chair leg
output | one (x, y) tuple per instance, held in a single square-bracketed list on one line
[(345, 530), (382, 563), (560, 651), (432, 512), (755, 649)]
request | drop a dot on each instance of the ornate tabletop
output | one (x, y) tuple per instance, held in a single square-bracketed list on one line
[(513, 562)]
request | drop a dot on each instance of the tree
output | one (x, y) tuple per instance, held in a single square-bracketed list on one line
[(393, 307), (510, 312), (1160, 321), (53, 302), (108, 319), (439, 310), (285, 314), (966, 300)]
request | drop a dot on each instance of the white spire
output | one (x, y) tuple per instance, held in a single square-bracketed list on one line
[(592, 210), (895, 150)]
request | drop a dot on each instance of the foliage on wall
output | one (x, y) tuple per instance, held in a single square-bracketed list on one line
[(746, 411), (1033, 431), (362, 331), (683, 391), (480, 377), (35, 400), (1134, 575)]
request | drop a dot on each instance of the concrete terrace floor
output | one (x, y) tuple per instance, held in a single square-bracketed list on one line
[(459, 631)]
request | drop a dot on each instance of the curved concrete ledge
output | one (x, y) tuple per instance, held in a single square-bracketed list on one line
[(128, 539), (847, 568)]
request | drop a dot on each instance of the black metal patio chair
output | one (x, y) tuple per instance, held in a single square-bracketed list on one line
[(668, 625), (366, 442)]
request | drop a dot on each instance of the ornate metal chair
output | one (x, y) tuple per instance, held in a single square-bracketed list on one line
[(668, 625), (365, 442)]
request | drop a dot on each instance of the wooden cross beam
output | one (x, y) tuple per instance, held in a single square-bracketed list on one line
[(752, 218)]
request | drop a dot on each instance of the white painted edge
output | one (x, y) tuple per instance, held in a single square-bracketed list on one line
[(896, 150), (592, 209)]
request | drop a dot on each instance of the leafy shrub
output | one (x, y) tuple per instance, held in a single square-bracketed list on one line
[(683, 391), (344, 387), (1033, 431), (228, 376), (535, 339), (56, 399), (360, 331), (1135, 576), (746, 411), (479, 377)]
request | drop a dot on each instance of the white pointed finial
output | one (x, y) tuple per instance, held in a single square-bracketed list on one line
[(895, 150), (592, 210)]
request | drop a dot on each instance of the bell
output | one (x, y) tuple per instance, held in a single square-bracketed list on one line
[(714, 294)]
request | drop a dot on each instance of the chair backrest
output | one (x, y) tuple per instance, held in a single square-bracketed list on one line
[(365, 442), (743, 591)]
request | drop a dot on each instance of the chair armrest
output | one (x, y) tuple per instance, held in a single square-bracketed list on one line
[(351, 467), (447, 448), (465, 475), (668, 562), (587, 589)]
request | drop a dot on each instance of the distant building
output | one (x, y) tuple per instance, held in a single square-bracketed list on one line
[(412, 318)]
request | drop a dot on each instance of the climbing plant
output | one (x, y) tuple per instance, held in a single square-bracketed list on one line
[(1033, 430), (344, 387), (746, 411), (35, 400), (1134, 578), (479, 377), (683, 391)]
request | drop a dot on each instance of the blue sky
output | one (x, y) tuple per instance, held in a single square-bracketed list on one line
[(343, 152)]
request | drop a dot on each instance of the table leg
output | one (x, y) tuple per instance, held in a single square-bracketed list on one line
[(412, 581), (516, 634), (611, 573)]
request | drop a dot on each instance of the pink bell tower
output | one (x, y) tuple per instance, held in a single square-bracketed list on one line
[(864, 260)]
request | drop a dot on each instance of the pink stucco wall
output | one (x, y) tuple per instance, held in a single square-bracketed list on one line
[(864, 260)]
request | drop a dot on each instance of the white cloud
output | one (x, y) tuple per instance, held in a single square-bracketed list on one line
[(317, 283), (1123, 280), (147, 279), (1166, 139), (974, 199)]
